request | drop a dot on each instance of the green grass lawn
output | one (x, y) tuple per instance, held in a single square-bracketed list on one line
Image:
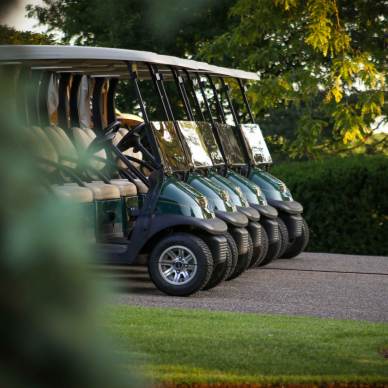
[(178, 345)]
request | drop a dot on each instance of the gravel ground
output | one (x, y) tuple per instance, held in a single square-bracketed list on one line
[(314, 284)]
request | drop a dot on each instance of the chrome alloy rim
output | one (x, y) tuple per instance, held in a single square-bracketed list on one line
[(177, 265)]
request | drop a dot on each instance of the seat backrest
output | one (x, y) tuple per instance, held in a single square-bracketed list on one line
[(129, 152), (43, 147), (83, 137), (67, 152)]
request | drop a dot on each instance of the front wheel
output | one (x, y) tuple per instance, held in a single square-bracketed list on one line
[(243, 260), (221, 271), (180, 264), (299, 244), (284, 237), (263, 248)]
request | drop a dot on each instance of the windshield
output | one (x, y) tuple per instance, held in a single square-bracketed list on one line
[(195, 143), (170, 147), (234, 151), (209, 139), (257, 147)]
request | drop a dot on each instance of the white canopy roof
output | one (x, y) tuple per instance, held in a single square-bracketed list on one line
[(104, 61)]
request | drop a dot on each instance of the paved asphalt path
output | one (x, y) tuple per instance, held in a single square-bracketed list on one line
[(313, 284)]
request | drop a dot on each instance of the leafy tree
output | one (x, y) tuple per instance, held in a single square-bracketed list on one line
[(172, 27), (323, 58), (9, 35), (320, 61)]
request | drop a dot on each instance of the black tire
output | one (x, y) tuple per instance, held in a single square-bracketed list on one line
[(273, 251), (263, 249), (284, 237), (221, 271), (298, 245), (243, 261), (204, 267), (234, 250)]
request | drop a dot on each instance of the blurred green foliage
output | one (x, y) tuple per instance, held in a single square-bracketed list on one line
[(345, 202), (51, 332)]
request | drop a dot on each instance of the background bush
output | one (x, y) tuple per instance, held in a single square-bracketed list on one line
[(345, 202)]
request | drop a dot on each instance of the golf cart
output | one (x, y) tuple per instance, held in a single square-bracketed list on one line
[(257, 162), (172, 154), (192, 134), (226, 154), (157, 215)]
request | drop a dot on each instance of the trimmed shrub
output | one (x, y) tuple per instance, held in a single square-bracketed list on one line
[(345, 202)]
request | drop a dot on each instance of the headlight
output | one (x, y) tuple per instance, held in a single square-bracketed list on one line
[(203, 202), (239, 191), (225, 196), (282, 187)]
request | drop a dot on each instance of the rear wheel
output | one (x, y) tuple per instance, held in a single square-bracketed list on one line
[(284, 237), (221, 271), (243, 260), (263, 248), (299, 244), (180, 264)]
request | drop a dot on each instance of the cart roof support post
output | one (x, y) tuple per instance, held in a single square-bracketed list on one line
[(97, 108), (113, 82), (44, 120), (63, 102), (220, 111), (74, 116), (182, 92), (205, 99), (226, 90), (195, 98), (165, 99), (245, 99), (133, 77), (156, 80)]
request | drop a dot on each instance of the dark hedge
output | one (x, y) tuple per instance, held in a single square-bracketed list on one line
[(345, 202)]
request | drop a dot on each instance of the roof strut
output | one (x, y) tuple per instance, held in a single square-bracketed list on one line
[(226, 90), (195, 98), (245, 99), (182, 92), (217, 100)]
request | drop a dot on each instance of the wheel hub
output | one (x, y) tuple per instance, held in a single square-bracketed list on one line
[(178, 265)]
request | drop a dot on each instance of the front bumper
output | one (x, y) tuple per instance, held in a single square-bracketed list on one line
[(294, 223), (271, 226), (236, 219), (254, 230), (250, 212), (290, 207), (240, 236), (265, 210)]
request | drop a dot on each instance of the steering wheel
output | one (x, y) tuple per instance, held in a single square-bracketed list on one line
[(131, 139), (99, 142), (112, 127)]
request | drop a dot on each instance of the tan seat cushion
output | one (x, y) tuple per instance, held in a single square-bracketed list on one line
[(127, 189), (73, 193), (102, 190), (141, 187)]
